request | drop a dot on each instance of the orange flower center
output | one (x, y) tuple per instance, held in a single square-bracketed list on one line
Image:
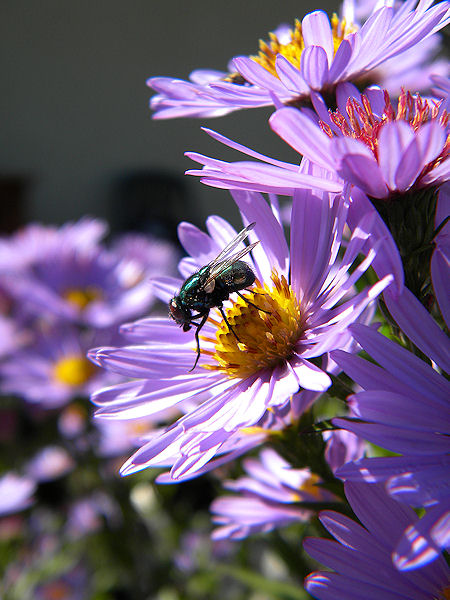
[(361, 124)]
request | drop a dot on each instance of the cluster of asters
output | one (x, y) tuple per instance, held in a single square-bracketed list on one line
[(63, 290), (369, 194)]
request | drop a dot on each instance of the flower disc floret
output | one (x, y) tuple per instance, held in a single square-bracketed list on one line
[(361, 122), (82, 297), (262, 339)]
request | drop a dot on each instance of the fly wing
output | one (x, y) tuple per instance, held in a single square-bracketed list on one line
[(220, 267), (232, 245)]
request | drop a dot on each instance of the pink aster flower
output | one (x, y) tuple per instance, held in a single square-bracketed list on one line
[(308, 298), (381, 149), (268, 497), (368, 142), (298, 64), (394, 158)]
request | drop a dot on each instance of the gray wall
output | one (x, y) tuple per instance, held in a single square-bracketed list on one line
[(75, 104)]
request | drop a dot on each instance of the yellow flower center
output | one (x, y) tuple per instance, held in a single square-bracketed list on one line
[(73, 370), (136, 428), (292, 50), (266, 339), (309, 487), (81, 297)]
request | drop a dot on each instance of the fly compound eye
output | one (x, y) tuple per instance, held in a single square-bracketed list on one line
[(175, 311)]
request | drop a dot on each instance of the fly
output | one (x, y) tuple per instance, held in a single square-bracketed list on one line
[(211, 285)]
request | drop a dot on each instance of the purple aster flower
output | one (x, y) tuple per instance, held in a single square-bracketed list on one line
[(361, 558), (54, 369), (342, 446), (409, 70), (268, 497), (49, 463), (404, 408), (440, 259), (72, 421), (297, 64), (243, 440), (308, 299), (11, 337), (35, 240), (74, 279), (156, 256), (87, 514), (15, 493)]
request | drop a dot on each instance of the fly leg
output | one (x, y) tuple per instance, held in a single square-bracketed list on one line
[(228, 323), (197, 331), (251, 303)]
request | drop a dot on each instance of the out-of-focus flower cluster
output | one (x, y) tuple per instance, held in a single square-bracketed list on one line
[(62, 291)]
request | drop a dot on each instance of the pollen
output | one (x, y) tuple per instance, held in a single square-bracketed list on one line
[(267, 323), (81, 297), (73, 370), (292, 47)]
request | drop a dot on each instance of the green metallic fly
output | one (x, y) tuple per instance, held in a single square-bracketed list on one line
[(211, 285)]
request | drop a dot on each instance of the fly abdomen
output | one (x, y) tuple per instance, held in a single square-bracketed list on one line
[(237, 277)]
